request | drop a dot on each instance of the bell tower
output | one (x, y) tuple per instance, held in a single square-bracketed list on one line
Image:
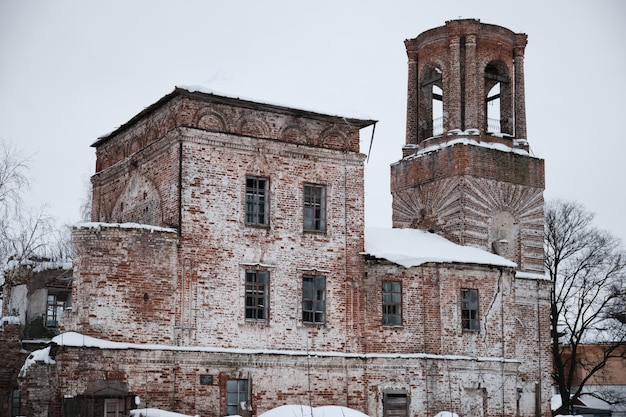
[(466, 170)]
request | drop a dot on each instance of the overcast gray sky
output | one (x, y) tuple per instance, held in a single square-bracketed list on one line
[(71, 71)]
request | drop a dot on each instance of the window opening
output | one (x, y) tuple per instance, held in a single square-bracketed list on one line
[(497, 87), (392, 303), (257, 290), (314, 207), (433, 96), (54, 309), (314, 299), (237, 398), (16, 403), (469, 309), (493, 109), (395, 405), (257, 200), (437, 94)]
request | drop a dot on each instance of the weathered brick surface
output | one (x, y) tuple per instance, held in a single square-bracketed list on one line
[(125, 281), (472, 185), (183, 162), (459, 54)]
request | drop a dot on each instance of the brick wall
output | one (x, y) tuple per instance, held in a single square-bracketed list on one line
[(125, 282)]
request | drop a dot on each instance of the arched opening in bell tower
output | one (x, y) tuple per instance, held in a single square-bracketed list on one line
[(431, 103), (498, 109)]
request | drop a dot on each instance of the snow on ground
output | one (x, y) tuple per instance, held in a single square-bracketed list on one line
[(447, 414), (155, 412), (306, 411), (412, 247)]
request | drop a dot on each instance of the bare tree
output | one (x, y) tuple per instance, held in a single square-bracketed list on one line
[(588, 271), (24, 233), (13, 182)]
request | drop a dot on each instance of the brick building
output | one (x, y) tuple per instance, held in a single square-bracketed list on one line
[(228, 269)]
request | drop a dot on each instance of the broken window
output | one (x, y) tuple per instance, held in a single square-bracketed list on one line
[(54, 309), (257, 200), (469, 309), (257, 295), (237, 397), (395, 405), (314, 299), (392, 303), (314, 207)]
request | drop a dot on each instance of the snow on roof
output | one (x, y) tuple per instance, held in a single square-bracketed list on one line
[(98, 225), (471, 142), (413, 247), (306, 411), (156, 412), (226, 86), (41, 355)]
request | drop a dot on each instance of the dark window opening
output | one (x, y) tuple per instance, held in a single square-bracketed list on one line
[(257, 295), (469, 309), (314, 299), (392, 303), (395, 405), (314, 207), (16, 403), (257, 200)]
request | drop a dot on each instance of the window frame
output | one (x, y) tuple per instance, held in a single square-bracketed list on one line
[(391, 304), (393, 406), (257, 201), (470, 304), (255, 291), (242, 393), (314, 207), (54, 309), (311, 313)]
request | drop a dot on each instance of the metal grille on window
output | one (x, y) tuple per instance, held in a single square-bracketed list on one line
[(313, 299), (257, 285), (314, 207), (257, 200), (469, 309), (392, 303)]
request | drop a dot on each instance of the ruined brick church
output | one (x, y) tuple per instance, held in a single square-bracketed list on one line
[(228, 270)]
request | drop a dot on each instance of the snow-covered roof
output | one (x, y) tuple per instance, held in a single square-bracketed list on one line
[(148, 227), (213, 93), (413, 247)]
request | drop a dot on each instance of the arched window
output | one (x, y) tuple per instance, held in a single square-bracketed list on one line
[(498, 110), (431, 105), (493, 109)]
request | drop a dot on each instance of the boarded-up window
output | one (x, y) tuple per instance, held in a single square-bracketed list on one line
[(395, 405)]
